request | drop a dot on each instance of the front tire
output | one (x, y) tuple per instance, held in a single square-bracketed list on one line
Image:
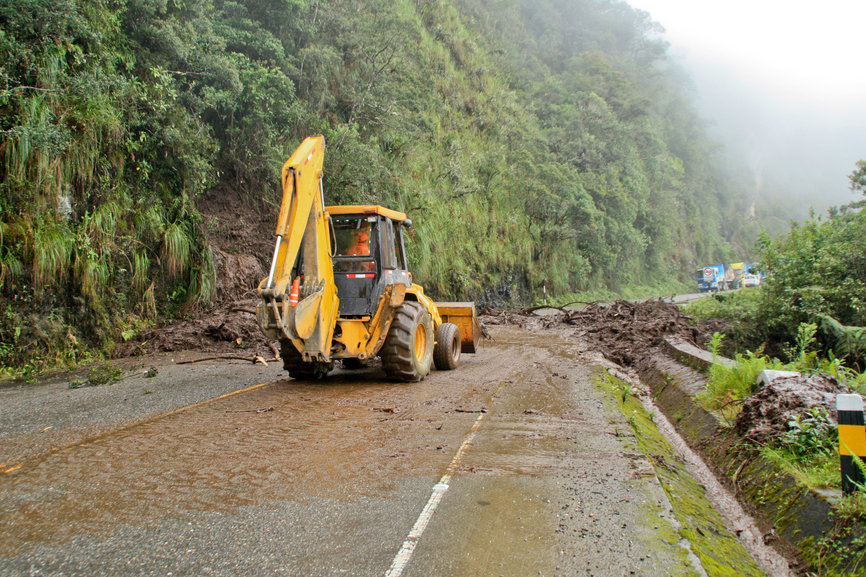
[(446, 354), (408, 350)]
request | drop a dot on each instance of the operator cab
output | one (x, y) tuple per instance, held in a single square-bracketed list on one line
[(369, 255)]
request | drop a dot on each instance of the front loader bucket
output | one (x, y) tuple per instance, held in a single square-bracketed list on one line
[(463, 315)]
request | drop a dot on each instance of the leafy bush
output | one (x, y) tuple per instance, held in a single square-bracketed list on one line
[(818, 270), (728, 384), (811, 434)]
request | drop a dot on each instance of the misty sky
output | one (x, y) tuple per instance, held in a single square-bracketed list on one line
[(781, 82)]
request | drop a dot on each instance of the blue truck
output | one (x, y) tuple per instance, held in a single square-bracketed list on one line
[(711, 278)]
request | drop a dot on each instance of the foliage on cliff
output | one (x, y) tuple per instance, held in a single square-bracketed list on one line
[(531, 141), (816, 282)]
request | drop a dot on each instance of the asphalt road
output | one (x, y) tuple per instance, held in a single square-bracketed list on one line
[(517, 464)]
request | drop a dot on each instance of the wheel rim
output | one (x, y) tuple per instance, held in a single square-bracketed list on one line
[(455, 347), (420, 342)]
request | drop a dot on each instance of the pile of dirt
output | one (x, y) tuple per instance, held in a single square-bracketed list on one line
[(628, 333), (240, 233), (766, 414), (227, 328), (237, 275)]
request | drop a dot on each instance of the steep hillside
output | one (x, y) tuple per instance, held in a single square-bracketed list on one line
[(544, 141)]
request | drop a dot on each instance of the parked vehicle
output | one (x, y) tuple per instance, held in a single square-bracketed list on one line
[(711, 278), (751, 280), (738, 273)]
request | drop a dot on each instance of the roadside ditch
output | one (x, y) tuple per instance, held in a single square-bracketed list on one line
[(798, 522)]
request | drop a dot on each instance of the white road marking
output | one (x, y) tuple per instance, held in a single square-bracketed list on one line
[(401, 560)]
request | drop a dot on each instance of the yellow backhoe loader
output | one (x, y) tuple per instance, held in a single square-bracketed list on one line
[(339, 288)]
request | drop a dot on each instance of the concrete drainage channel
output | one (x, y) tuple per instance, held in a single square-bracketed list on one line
[(776, 511)]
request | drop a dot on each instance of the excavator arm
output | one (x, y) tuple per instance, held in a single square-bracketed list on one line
[(299, 299)]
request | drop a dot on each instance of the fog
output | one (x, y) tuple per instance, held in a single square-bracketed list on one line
[(780, 85)]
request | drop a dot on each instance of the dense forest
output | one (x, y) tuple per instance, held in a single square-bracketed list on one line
[(543, 141)]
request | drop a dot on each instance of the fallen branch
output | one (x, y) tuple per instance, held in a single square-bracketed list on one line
[(258, 411), (558, 308), (253, 359)]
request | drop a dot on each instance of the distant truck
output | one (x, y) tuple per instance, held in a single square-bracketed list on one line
[(738, 273), (741, 270), (751, 280), (722, 277), (711, 278)]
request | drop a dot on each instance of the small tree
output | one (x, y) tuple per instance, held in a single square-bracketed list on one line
[(858, 178)]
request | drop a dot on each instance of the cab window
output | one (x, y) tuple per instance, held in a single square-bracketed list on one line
[(401, 253), (389, 252), (356, 247)]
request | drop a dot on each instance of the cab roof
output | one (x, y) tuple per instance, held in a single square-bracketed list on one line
[(366, 209)]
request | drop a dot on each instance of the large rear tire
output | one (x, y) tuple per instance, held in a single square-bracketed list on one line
[(294, 363), (408, 350), (446, 354)]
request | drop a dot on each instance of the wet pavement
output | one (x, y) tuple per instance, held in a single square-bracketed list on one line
[(534, 473)]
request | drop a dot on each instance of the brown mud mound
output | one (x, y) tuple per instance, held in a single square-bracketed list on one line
[(227, 328), (237, 275), (766, 414), (627, 333)]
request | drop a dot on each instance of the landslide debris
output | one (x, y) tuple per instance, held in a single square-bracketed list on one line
[(766, 414), (630, 334), (230, 327), (625, 332)]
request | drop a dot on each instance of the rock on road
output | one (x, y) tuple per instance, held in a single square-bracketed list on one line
[(532, 468)]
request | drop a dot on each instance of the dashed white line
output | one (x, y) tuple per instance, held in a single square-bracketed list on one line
[(401, 560)]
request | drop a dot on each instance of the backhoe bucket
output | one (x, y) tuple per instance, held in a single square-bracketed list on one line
[(463, 315)]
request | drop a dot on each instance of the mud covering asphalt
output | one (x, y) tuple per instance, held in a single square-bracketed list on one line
[(631, 334), (627, 333), (330, 477)]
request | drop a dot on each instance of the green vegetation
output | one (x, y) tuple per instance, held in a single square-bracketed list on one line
[(809, 448), (727, 385), (530, 141), (102, 373), (817, 279), (809, 313)]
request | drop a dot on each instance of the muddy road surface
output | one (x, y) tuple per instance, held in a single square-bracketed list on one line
[(518, 463)]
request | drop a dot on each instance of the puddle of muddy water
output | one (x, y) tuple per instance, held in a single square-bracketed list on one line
[(307, 440)]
